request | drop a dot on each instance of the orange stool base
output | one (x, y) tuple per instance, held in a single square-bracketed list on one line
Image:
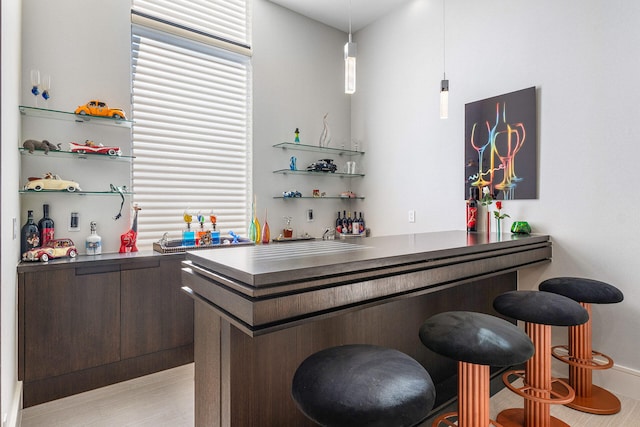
[(601, 402), (515, 418)]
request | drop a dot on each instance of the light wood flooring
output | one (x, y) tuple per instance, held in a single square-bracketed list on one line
[(166, 399)]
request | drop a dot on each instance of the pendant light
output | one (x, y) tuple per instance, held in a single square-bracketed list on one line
[(350, 62), (444, 83)]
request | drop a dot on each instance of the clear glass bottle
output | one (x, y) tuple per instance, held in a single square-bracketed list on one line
[(93, 243)]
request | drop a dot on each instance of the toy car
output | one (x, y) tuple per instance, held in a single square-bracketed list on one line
[(51, 182), (55, 248), (93, 148), (100, 108), (324, 165), (289, 194)]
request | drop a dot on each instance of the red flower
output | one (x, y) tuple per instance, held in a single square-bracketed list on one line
[(499, 204)]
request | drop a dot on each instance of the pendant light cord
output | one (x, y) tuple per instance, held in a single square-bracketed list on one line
[(444, 38), (349, 21)]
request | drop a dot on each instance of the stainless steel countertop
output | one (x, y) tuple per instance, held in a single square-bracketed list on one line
[(272, 264)]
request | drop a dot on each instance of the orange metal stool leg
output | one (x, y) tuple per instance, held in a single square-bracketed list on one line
[(580, 357), (473, 399), (538, 390)]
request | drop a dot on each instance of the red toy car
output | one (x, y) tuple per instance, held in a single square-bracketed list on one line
[(92, 147), (55, 248)]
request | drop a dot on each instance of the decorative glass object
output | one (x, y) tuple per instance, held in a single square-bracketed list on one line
[(521, 227)]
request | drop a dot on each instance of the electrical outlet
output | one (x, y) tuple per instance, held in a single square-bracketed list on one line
[(412, 215), (74, 221), (309, 215)]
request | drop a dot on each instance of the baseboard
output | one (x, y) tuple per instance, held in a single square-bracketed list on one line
[(618, 379), (14, 414)]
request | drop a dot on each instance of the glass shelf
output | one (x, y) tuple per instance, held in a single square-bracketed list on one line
[(323, 197), (334, 174), (69, 116), (78, 193), (69, 154), (303, 147)]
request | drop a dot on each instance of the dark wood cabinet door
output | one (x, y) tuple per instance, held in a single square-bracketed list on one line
[(71, 321), (156, 314)]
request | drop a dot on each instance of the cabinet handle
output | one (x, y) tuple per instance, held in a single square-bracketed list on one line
[(81, 271)]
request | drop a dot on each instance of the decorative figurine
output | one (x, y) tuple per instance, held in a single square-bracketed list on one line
[(100, 108), (90, 147), (44, 145), (51, 181), (292, 163), (55, 248), (325, 136), (288, 231), (297, 138), (128, 239)]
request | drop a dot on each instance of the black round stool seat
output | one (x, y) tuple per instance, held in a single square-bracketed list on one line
[(363, 385), (476, 338), (543, 308), (583, 290)]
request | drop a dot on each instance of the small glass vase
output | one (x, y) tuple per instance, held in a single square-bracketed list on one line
[(499, 227)]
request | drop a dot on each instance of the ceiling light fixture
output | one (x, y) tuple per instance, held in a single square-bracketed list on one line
[(350, 62), (444, 83)]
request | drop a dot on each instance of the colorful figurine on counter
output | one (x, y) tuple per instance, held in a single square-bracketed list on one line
[(292, 163), (297, 138), (128, 239)]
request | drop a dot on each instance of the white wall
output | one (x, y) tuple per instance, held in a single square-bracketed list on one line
[(87, 54), (9, 391), (581, 57), (297, 77)]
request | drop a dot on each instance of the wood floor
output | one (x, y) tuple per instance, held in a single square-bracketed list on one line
[(166, 399)]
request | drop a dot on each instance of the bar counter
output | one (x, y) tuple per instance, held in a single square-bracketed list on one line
[(261, 310)]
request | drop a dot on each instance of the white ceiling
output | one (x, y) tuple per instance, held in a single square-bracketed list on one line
[(335, 13)]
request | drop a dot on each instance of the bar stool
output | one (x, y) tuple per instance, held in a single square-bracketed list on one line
[(363, 385), (539, 310), (579, 354), (476, 341)]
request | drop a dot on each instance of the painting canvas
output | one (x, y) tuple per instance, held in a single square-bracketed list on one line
[(501, 145)]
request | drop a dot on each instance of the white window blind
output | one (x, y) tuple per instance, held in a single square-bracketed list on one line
[(191, 134), (225, 23)]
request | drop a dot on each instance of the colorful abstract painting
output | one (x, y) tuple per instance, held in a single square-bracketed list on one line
[(500, 145)]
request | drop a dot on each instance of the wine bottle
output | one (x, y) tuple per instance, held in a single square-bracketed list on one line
[(355, 225), (345, 225), (338, 224), (472, 209), (349, 224), (361, 221), (93, 243), (29, 235), (46, 226)]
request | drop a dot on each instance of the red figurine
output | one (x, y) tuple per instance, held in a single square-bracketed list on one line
[(128, 239)]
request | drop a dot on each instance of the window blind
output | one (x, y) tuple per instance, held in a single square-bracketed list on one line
[(191, 135), (224, 22)]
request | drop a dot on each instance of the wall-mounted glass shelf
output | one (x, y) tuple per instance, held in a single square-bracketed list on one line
[(69, 154), (66, 115), (334, 174), (304, 147), (319, 198), (77, 193)]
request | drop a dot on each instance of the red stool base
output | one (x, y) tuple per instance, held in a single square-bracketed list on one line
[(601, 402), (515, 418)]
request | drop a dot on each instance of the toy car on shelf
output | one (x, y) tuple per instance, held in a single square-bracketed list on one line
[(93, 148), (56, 248), (289, 194), (51, 181), (323, 165), (100, 108)]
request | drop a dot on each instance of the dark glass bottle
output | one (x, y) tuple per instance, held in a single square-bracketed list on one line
[(29, 236), (338, 224), (46, 226), (472, 209), (349, 224), (361, 221), (345, 225)]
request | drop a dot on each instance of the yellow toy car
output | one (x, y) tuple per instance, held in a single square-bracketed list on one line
[(100, 108), (51, 182)]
